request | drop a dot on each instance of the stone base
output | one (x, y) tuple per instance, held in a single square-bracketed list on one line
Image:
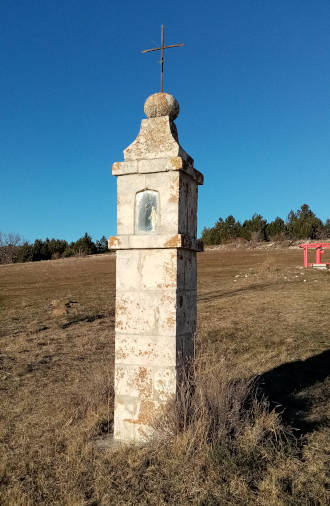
[(108, 443)]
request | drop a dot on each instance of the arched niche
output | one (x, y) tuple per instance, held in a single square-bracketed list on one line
[(147, 212)]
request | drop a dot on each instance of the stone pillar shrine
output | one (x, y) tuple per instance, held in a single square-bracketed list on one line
[(156, 275)]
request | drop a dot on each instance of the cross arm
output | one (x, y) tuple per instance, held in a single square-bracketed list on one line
[(159, 48)]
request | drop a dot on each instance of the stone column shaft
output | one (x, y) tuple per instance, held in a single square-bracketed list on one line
[(156, 276)]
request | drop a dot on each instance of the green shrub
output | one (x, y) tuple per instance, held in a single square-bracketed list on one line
[(102, 245), (83, 246)]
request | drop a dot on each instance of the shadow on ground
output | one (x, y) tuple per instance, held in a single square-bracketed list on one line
[(284, 387), (220, 294)]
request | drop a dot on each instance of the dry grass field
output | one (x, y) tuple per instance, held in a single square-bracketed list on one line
[(261, 316)]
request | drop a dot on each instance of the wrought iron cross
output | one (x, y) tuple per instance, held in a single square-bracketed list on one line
[(161, 49)]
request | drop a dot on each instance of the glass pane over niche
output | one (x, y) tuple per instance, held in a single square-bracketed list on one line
[(147, 211)]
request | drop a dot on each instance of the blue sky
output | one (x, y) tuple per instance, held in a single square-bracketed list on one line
[(253, 83)]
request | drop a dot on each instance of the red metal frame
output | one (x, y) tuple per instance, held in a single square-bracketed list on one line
[(319, 250)]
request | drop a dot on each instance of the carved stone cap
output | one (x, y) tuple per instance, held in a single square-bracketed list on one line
[(158, 136)]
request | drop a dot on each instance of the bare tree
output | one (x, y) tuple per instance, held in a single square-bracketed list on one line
[(9, 247)]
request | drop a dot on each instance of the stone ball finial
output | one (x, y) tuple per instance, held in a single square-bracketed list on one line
[(161, 104)]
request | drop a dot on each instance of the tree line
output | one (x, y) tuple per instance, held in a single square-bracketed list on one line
[(13, 249), (300, 225)]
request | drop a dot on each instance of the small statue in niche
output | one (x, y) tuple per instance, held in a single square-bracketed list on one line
[(147, 211), (153, 219)]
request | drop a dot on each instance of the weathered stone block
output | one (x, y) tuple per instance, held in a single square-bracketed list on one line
[(164, 383), (134, 381), (187, 269), (143, 269), (133, 417), (147, 351), (186, 314), (147, 312)]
